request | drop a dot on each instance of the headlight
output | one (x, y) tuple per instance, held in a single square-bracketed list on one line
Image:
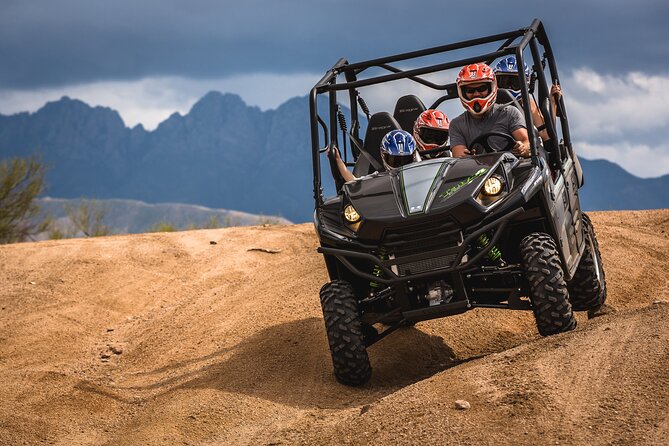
[(493, 186), (350, 214)]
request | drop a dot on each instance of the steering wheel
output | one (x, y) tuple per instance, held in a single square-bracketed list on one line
[(483, 141), (434, 153)]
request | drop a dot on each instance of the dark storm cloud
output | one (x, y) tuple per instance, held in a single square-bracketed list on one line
[(49, 43)]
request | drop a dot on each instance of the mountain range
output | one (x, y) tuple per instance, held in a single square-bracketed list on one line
[(222, 154), (133, 216)]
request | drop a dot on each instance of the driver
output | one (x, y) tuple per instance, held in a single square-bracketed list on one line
[(477, 89), (398, 148)]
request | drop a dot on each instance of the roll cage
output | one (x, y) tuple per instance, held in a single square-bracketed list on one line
[(532, 38)]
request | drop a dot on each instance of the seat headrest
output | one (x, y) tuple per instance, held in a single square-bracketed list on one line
[(504, 97), (407, 110), (379, 124)]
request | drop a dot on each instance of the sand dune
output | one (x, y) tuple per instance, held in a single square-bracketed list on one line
[(168, 339)]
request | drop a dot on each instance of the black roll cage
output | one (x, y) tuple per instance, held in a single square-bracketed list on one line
[(514, 42)]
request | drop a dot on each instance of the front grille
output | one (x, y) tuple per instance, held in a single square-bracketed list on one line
[(427, 236), (422, 266), (428, 229), (424, 238)]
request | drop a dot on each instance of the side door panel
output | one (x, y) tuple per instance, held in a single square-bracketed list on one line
[(574, 222), (561, 197)]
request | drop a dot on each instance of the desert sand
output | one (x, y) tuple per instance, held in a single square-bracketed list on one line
[(169, 339)]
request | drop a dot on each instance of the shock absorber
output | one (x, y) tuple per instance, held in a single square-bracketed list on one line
[(364, 107), (377, 271), (494, 255), (342, 119), (342, 125)]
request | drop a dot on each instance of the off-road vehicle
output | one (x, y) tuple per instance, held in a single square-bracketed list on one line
[(445, 235)]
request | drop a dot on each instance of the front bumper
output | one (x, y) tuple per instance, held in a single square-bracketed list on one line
[(432, 263)]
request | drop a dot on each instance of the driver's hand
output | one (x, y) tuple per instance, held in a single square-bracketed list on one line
[(459, 152), (521, 149)]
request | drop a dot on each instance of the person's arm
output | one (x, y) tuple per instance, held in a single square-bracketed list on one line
[(556, 93), (522, 147), (538, 120), (345, 173), (459, 151), (515, 123), (457, 139)]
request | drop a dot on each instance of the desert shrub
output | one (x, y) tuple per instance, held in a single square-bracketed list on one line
[(21, 181)]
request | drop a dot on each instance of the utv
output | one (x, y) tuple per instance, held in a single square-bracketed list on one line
[(445, 235)]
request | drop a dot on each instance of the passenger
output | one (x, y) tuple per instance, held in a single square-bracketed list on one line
[(397, 149), (431, 133), (506, 72), (477, 89)]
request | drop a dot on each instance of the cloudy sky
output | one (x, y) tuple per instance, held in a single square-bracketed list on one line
[(148, 59)]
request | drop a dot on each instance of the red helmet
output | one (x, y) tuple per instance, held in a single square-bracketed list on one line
[(478, 73), (431, 130)]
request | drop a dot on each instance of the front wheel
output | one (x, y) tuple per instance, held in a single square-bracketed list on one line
[(587, 289), (345, 333), (548, 290)]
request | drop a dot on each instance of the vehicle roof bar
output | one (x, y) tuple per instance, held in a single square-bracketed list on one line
[(416, 72), (435, 50)]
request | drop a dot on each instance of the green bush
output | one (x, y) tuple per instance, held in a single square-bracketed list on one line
[(21, 181), (87, 218), (162, 226)]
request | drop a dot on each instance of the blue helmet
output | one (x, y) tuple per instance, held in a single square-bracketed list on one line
[(397, 149), (506, 72)]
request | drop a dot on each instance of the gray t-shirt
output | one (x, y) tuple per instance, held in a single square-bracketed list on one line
[(501, 118)]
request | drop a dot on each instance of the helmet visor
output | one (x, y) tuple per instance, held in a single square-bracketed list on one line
[(483, 90), (433, 136), (395, 161), (508, 81)]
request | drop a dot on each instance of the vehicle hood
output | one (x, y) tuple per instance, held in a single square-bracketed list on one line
[(424, 189)]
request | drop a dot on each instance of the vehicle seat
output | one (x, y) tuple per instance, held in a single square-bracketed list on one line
[(369, 160), (407, 110), (504, 97)]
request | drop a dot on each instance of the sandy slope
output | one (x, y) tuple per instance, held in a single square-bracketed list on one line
[(168, 339)]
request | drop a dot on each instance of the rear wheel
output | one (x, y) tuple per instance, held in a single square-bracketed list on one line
[(345, 333), (587, 289), (548, 290)]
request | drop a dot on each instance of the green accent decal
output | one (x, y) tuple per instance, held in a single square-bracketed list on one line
[(453, 189)]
